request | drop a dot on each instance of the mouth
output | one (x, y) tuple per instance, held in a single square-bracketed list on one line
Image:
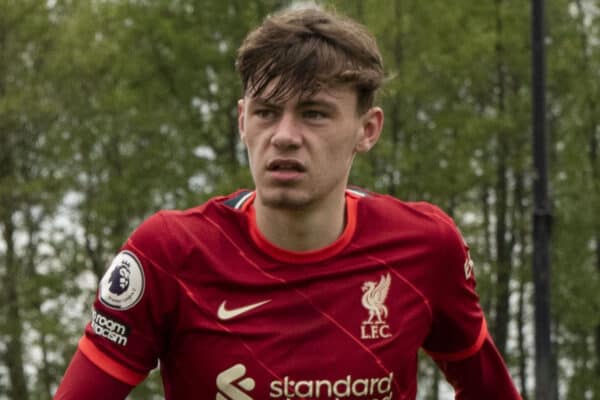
[(285, 164)]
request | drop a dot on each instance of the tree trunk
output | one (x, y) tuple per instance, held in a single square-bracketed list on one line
[(45, 373), (395, 117), (592, 125), (435, 387), (14, 327), (487, 237), (34, 299), (93, 245), (523, 264), (503, 261)]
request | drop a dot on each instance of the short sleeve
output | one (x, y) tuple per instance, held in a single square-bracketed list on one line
[(458, 329), (135, 297)]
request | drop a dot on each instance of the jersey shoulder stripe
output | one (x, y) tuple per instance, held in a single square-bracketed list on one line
[(237, 200), (108, 365)]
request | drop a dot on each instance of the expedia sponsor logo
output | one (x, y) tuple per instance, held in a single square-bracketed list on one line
[(233, 384), (110, 329)]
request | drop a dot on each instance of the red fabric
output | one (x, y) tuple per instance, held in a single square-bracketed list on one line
[(84, 380), (461, 355), (481, 376), (107, 364), (310, 323)]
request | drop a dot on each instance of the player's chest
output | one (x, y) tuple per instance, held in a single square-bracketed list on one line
[(341, 333)]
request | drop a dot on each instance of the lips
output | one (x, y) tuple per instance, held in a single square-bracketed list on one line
[(286, 164)]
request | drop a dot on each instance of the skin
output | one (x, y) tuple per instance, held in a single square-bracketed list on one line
[(301, 151)]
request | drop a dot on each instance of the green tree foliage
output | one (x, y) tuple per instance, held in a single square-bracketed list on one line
[(575, 123), (31, 183), (111, 110)]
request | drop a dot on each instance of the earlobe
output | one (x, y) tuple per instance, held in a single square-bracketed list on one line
[(372, 124)]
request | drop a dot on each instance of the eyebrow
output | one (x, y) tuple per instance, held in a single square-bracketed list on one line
[(317, 103), (330, 105), (263, 102)]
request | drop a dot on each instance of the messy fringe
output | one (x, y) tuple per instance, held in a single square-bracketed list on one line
[(304, 51)]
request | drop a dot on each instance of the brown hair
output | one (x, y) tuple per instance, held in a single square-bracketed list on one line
[(307, 50)]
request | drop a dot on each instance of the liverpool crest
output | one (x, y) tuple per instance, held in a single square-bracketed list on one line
[(373, 299)]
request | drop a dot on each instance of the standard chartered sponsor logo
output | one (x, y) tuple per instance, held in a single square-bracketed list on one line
[(230, 385), (109, 328), (348, 387)]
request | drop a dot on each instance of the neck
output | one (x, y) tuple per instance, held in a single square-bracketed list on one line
[(304, 229)]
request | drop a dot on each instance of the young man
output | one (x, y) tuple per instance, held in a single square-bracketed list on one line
[(301, 288)]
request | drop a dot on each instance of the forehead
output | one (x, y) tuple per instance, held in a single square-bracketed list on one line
[(332, 94)]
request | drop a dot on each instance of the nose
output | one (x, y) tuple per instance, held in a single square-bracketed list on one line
[(287, 133)]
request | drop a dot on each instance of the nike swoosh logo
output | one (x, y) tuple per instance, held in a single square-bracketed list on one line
[(225, 314)]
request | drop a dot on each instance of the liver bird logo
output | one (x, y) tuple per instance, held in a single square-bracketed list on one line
[(374, 297)]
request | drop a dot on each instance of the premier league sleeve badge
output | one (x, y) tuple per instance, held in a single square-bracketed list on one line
[(122, 286)]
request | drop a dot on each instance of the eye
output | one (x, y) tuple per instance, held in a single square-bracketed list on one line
[(265, 113), (314, 114)]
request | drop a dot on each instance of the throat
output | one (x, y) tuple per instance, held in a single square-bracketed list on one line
[(300, 230)]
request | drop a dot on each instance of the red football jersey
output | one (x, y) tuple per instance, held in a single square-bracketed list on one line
[(231, 316)]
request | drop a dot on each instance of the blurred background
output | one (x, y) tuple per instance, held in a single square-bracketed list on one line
[(111, 110)]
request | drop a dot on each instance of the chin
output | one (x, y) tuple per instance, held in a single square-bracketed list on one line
[(285, 199)]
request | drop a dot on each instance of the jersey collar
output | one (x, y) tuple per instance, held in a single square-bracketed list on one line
[(302, 257)]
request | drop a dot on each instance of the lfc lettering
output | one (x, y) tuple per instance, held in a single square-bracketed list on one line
[(375, 331)]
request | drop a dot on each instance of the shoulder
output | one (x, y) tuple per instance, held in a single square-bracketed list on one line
[(169, 235), (387, 212), (171, 223)]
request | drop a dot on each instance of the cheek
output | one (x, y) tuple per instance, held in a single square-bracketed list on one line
[(251, 144), (343, 148), (252, 149)]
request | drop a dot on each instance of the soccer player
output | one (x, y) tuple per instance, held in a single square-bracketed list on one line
[(303, 287)]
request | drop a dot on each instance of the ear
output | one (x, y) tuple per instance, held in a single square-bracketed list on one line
[(371, 126), (241, 125)]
